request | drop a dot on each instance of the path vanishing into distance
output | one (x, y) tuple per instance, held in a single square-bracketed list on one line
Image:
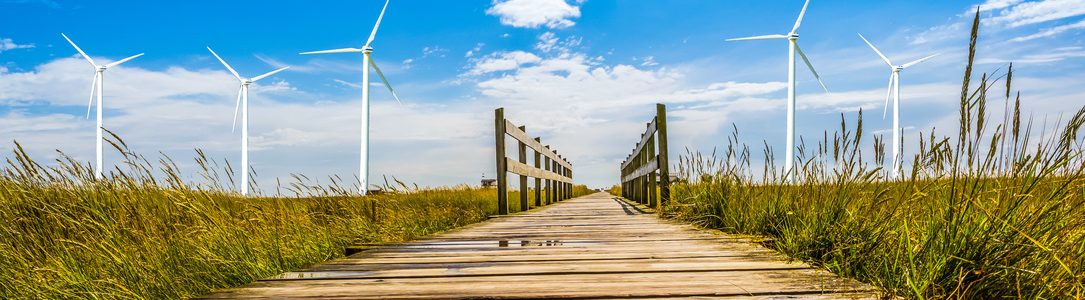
[(596, 246)]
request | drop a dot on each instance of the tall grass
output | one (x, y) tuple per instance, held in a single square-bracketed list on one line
[(995, 211), (144, 233)]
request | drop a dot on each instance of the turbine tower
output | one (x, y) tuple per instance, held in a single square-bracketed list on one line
[(894, 91), (96, 91), (792, 47), (243, 105), (366, 51)]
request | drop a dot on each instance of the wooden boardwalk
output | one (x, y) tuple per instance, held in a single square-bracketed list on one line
[(588, 247)]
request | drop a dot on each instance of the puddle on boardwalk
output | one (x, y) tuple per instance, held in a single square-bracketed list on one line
[(304, 275), (503, 244)]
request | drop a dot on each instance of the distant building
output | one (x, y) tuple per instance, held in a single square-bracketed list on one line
[(489, 183)]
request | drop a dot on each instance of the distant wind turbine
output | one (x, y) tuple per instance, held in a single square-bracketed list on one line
[(243, 105), (792, 48), (894, 91), (96, 86), (367, 51)]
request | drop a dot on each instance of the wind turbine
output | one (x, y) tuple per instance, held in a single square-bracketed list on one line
[(894, 91), (792, 47), (367, 51), (96, 86), (243, 105)]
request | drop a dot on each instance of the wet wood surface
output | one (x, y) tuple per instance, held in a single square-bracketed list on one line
[(584, 248)]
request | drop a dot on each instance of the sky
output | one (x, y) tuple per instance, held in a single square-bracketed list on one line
[(584, 75)]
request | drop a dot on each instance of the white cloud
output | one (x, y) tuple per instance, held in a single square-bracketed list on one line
[(649, 61), (502, 61), (547, 41), (1049, 56), (7, 44), (990, 5), (1049, 32), (555, 14), (433, 51), (1004, 15), (1034, 12), (348, 84), (476, 49)]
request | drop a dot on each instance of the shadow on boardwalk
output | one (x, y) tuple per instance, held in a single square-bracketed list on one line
[(589, 247)]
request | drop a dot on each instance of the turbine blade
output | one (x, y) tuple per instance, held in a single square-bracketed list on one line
[(919, 61), (801, 15), (341, 50), (254, 79), (114, 64), (373, 34), (811, 66), (237, 107), (386, 84), (93, 87), (225, 64), (888, 93), (760, 37), (886, 59), (84, 54)]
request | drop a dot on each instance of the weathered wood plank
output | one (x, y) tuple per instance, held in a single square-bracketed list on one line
[(519, 168), (589, 247)]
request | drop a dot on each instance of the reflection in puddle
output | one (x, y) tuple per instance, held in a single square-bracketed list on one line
[(304, 275), (505, 243), (468, 244)]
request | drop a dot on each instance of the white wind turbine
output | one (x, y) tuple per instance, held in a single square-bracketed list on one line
[(96, 86), (367, 51), (243, 105), (894, 91), (792, 47)]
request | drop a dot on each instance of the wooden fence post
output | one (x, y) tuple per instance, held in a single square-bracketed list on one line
[(538, 182), (502, 169), (523, 178), (549, 183), (560, 185), (650, 150), (664, 163)]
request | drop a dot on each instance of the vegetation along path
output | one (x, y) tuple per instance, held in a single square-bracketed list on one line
[(589, 247)]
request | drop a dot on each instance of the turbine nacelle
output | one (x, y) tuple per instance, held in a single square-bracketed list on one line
[(793, 36)]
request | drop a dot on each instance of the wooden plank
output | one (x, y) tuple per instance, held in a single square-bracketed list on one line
[(587, 247), (674, 284), (648, 167), (519, 168)]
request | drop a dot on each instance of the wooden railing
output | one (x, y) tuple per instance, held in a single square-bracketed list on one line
[(553, 174), (640, 181)]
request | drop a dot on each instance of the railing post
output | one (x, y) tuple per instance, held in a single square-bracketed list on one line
[(538, 182), (664, 164), (502, 169), (549, 183), (523, 178), (561, 185), (650, 151), (568, 186)]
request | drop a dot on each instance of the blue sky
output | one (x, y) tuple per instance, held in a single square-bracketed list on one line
[(583, 74)]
